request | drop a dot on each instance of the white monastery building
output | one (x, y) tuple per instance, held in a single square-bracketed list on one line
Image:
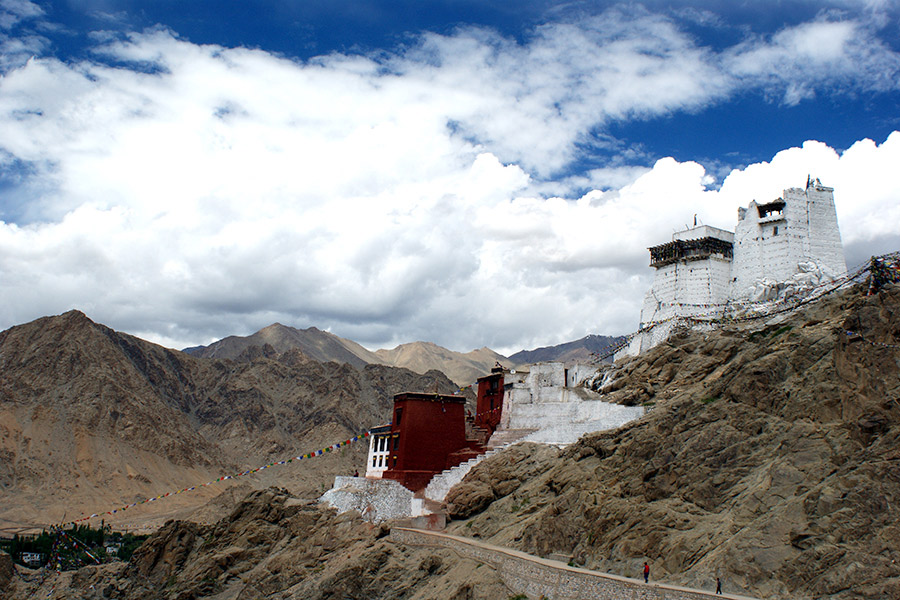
[(778, 249)]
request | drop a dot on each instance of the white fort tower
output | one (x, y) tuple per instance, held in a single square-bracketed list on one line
[(778, 249)]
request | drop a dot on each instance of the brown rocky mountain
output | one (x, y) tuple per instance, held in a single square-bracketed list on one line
[(314, 343), (420, 357), (584, 350), (463, 368), (770, 460), (91, 419)]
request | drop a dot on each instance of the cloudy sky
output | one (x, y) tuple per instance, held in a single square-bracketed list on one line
[(468, 172)]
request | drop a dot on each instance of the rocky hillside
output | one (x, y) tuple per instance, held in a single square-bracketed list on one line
[(579, 351), (91, 419), (273, 546), (771, 459)]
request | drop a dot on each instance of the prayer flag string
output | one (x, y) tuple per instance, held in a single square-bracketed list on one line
[(308, 455)]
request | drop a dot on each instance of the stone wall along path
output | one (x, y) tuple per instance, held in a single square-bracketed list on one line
[(535, 577)]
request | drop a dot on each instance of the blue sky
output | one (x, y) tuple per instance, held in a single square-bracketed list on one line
[(468, 173)]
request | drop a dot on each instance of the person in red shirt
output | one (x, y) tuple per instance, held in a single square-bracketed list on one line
[(646, 572)]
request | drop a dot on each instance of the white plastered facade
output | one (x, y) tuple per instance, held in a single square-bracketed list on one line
[(780, 248), (773, 248), (548, 399)]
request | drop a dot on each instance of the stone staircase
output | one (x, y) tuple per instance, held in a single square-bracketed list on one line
[(439, 486), (507, 437), (475, 432)]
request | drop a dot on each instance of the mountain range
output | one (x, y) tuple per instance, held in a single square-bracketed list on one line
[(767, 458), (420, 357), (585, 350), (91, 419)]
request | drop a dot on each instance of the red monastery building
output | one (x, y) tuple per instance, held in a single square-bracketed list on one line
[(427, 435), (489, 405)]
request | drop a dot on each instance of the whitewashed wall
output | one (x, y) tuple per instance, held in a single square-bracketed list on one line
[(376, 500), (783, 252), (807, 231)]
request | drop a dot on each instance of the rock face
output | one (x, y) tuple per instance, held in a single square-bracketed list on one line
[(91, 419), (771, 460), (6, 570), (275, 546)]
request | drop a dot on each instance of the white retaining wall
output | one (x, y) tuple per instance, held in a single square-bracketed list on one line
[(376, 500), (544, 415), (564, 423)]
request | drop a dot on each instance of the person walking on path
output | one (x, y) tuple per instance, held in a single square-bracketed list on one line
[(646, 572), (718, 586)]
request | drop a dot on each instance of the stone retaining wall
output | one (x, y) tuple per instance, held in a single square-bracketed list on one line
[(376, 500), (535, 577)]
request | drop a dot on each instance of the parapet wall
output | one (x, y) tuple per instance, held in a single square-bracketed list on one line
[(536, 577)]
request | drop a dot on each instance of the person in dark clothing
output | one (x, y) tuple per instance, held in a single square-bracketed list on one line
[(718, 585), (646, 572)]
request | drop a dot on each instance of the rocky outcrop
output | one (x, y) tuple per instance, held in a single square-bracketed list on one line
[(770, 460), (274, 545), (6, 570), (498, 477)]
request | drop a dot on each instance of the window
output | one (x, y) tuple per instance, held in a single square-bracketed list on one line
[(399, 414), (776, 230), (396, 442)]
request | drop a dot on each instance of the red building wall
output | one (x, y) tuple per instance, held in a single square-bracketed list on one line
[(426, 430), (489, 402)]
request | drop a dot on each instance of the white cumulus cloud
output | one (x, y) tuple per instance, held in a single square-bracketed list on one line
[(185, 192)]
